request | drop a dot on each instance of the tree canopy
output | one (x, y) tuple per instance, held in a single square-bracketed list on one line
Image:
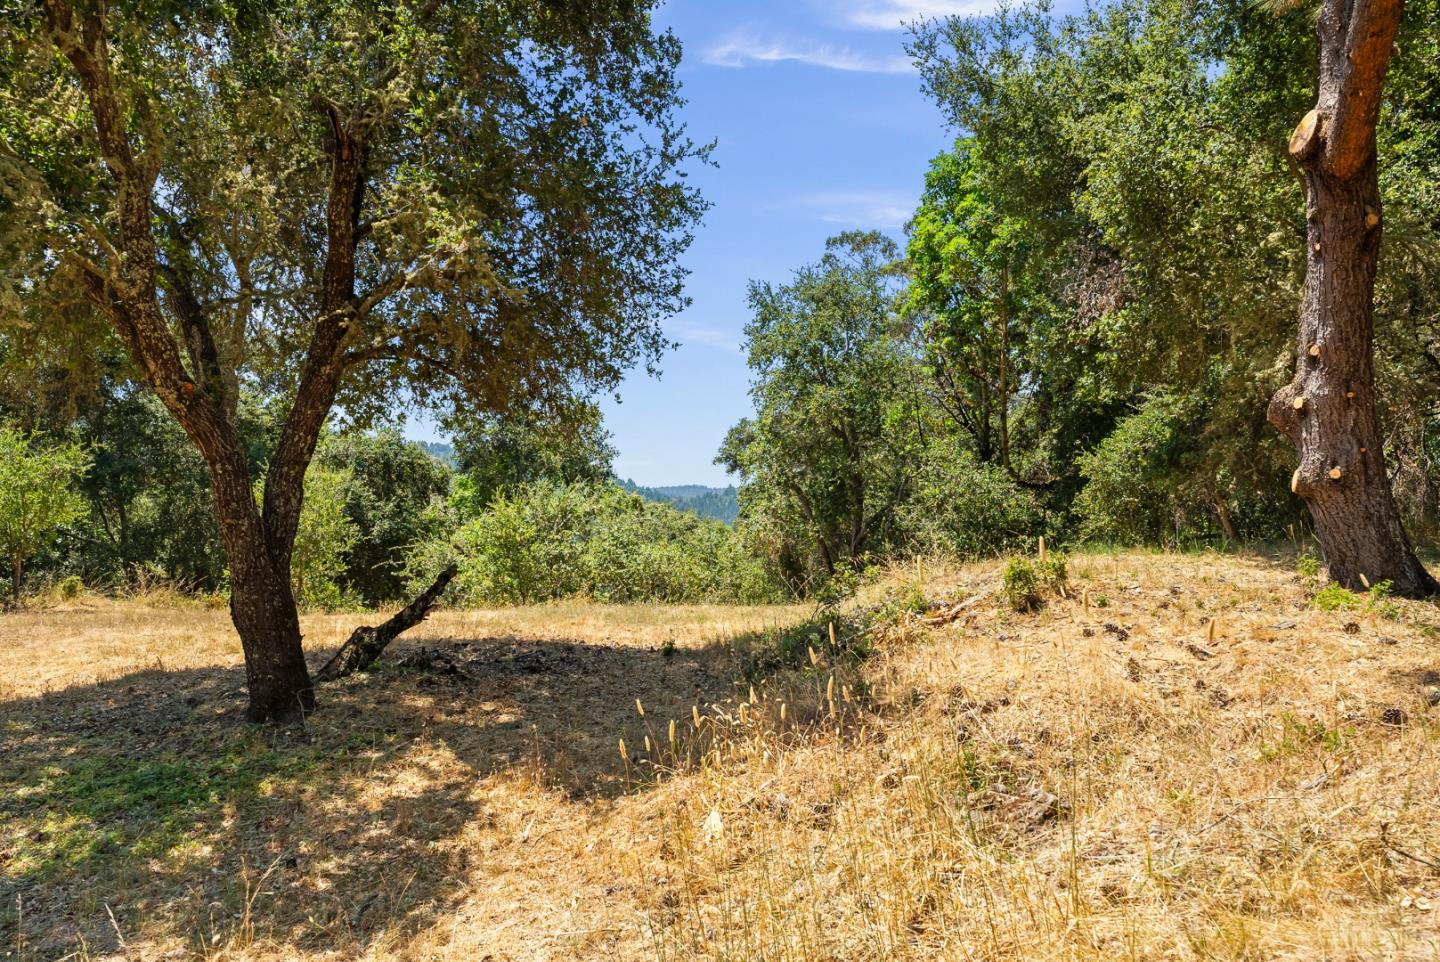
[(341, 203)]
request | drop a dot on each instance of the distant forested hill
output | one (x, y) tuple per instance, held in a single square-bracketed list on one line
[(719, 503), (439, 449)]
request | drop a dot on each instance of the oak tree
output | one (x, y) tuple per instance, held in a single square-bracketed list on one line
[(345, 204)]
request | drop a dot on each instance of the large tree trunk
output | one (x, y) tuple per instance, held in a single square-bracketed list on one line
[(263, 610), (262, 604), (1328, 410)]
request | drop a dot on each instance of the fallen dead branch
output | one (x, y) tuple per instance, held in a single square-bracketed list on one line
[(367, 642)]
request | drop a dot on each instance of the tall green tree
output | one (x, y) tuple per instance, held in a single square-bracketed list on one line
[(825, 460), (337, 200), (38, 496), (979, 297)]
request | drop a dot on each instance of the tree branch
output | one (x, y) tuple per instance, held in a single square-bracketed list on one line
[(322, 368), (366, 643), (1355, 56)]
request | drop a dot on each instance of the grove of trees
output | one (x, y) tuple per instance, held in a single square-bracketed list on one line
[(238, 239), (1098, 300)]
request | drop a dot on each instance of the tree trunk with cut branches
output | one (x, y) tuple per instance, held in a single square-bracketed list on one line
[(1328, 411)]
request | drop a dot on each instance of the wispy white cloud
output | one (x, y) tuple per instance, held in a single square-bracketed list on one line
[(687, 332), (861, 208), (745, 49), (894, 14)]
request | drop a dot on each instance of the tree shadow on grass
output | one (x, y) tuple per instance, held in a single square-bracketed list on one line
[(143, 809)]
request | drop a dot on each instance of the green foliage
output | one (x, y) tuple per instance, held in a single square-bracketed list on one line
[(965, 508), (1333, 597), (149, 492), (323, 540), (522, 222), (1134, 480), (1378, 600), (394, 496), (1118, 168), (826, 460), (550, 540), (1308, 566), (38, 496), (1026, 584), (495, 452), (828, 639)]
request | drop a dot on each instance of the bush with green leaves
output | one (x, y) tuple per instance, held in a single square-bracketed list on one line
[(395, 495), (1134, 483), (546, 541), (966, 508), (1026, 584), (323, 541), (38, 497)]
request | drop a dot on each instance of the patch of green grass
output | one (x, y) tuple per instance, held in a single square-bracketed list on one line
[(72, 813), (1298, 735)]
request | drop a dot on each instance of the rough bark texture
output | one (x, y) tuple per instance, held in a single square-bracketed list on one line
[(202, 398), (366, 643), (1328, 410)]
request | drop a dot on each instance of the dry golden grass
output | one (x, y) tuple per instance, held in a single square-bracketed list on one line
[(1086, 782)]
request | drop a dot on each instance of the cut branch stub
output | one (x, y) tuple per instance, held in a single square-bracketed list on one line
[(1335, 474), (1307, 136), (1315, 351), (1372, 218), (1299, 403)]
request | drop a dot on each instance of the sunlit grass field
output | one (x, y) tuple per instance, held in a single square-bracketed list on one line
[(1181, 758)]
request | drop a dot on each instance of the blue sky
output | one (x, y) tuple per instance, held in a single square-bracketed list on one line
[(820, 127)]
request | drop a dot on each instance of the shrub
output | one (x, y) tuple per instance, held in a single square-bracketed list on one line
[(1026, 584), (37, 497), (323, 541), (1021, 585), (547, 541), (967, 509), (1332, 597), (1135, 478), (395, 497)]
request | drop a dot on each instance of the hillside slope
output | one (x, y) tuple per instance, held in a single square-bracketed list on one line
[(1103, 779), (722, 504)]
